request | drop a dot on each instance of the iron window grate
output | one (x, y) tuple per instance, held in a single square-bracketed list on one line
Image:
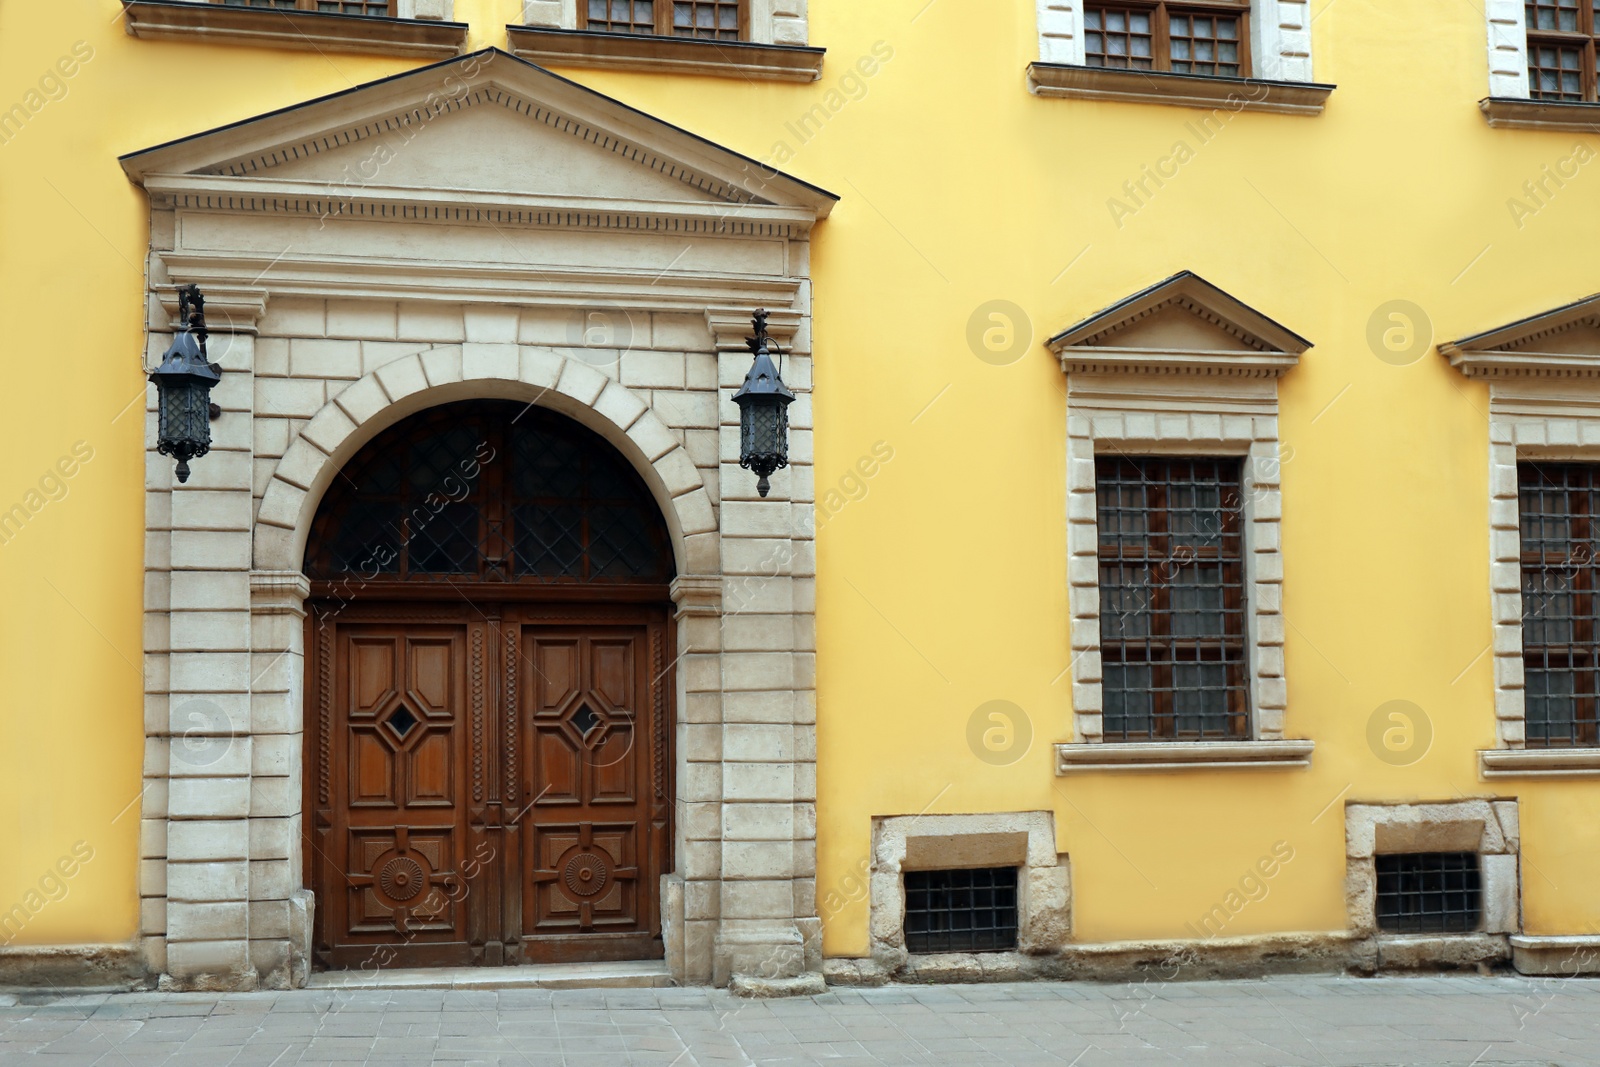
[(961, 911), (1172, 598), (1429, 892), (1559, 503), (1207, 39)]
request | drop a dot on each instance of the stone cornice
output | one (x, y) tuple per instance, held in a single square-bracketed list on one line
[(1528, 347), (486, 78), (321, 277), (665, 55), (697, 594), (1184, 90), (279, 592), (229, 308), (335, 200), (1556, 115), (1183, 755), (162, 20), (731, 325)]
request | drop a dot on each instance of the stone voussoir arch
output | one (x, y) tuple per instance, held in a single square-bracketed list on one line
[(538, 374)]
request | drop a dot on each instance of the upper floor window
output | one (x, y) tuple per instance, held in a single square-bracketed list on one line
[(1560, 521), (715, 20), (1561, 49), (331, 7), (1183, 38), (1172, 602)]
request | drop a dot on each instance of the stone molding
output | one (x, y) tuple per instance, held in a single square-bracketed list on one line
[(1208, 92), (746, 60), (1183, 756), (413, 34), (1508, 50), (1564, 955), (1569, 116), (1025, 839), (330, 339), (1280, 34), (779, 22), (1490, 828), (1181, 368), (1543, 374)]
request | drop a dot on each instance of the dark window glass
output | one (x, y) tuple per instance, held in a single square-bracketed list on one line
[(1157, 35), (1559, 504), (1561, 49), (1172, 599), (489, 491)]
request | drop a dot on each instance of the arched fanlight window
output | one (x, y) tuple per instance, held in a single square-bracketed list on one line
[(493, 491)]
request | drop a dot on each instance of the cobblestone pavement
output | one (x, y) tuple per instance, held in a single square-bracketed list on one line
[(1324, 1020)]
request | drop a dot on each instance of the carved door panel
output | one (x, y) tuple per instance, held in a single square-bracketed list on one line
[(487, 783), (594, 834), (391, 826)]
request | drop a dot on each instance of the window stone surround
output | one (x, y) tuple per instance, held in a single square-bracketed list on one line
[(1543, 374), (1490, 828), (1280, 35), (1181, 368), (1508, 48), (1026, 840), (322, 350)]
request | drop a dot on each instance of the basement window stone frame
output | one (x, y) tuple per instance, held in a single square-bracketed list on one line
[(1543, 374), (1024, 841), (419, 28), (1542, 65), (1229, 55), (764, 39), (1181, 369), (1490, 830)]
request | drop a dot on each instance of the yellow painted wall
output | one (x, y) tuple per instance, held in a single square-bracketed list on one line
[(943, 586)]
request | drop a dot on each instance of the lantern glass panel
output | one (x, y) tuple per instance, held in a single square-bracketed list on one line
[(186, 415)]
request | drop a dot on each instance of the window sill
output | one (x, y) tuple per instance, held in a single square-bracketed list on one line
[(1183, 756), (175, 20), (1184, 90), (1516, 114), (665, 55), (1539, 763)]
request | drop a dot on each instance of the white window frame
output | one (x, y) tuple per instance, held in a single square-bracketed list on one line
[(1280, 35), (1508, 49)]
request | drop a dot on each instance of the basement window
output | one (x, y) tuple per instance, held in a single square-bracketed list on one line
[(1429, 892), (961, 911)]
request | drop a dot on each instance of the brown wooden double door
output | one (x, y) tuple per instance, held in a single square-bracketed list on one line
[(488, 784)]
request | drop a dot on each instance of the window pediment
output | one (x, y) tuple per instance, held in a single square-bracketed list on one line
[(1182, 325), (1561, 343)]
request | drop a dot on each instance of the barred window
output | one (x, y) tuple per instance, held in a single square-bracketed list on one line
[(1184, 38), (1172, 599), (1428, 892), (333, 7), (1560, 617), (961, 911), (715, 20), (1561, 48)]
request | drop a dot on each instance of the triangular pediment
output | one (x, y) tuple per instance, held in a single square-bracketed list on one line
[(1560, 343), (487, 126), (1181, 325)]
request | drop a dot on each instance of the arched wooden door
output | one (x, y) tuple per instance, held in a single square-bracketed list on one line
[(488, 689)]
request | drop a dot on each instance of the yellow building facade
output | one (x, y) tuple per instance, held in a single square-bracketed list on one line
[(1328, 252)]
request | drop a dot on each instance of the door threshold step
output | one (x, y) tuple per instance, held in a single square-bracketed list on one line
[(644, 974)]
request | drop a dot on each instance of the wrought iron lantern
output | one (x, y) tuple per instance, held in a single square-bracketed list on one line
[(183, 386), (763, 409)]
